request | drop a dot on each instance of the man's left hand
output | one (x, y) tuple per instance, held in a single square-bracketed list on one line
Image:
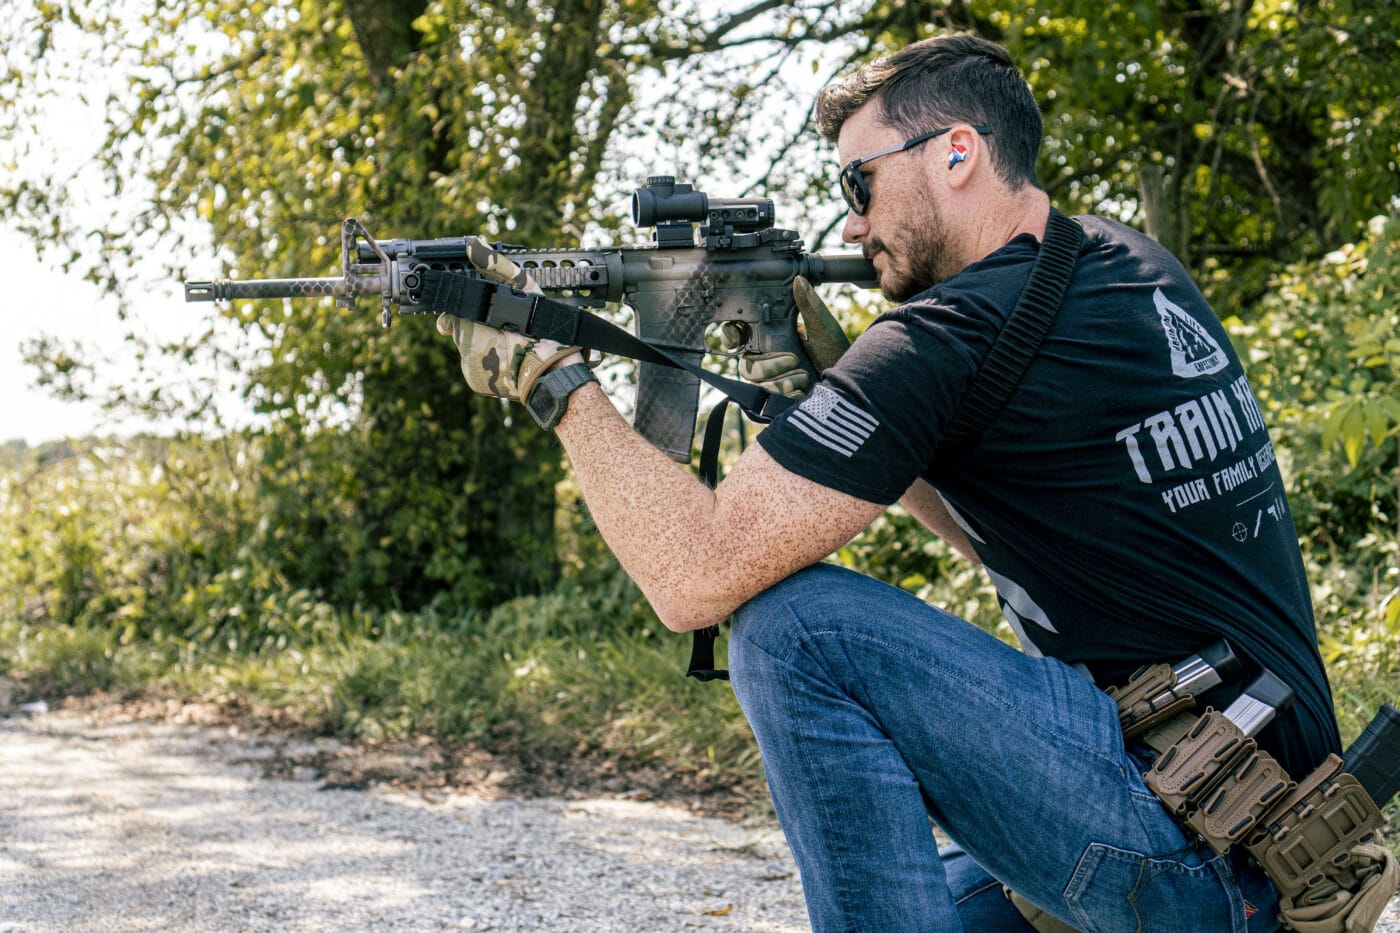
[(499, 362)]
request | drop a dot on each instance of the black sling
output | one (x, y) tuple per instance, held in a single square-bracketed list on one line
[(1019, 341)]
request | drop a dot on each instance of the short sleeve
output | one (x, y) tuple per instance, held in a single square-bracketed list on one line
[(870, 427)]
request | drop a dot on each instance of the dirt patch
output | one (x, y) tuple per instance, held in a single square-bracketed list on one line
[(111, 823), (281, 746)]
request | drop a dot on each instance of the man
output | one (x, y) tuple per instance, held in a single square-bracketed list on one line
[(1125, 503)]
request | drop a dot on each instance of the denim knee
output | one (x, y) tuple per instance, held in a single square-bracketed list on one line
[(768, 629), (759, 619)]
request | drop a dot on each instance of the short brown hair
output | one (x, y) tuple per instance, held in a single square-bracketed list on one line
[(937, 82)]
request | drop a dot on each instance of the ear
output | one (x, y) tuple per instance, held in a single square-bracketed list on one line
[(963, 155)]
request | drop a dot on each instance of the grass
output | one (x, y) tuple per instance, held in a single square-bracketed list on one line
[(530, 679), (111, 581)]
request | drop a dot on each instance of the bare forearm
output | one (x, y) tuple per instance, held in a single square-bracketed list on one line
[(653, 513), (923, 502), (698, 554)]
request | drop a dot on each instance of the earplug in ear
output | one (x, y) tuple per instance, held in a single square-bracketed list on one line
[(956, 154)]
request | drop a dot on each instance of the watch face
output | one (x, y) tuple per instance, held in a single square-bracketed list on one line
[(549, 398), (544, 407)]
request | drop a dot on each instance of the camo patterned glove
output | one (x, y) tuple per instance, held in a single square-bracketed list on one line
[(499, 362), (818, 332)]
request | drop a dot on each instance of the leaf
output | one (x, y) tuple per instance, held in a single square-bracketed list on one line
[(720, 911), (1332, 424), (1377, 421), (1353, 433), (1353, 444)]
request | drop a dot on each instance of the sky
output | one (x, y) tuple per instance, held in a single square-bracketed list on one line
[(39, 299), (42, 300)]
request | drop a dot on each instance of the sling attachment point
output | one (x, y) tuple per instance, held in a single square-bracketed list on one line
[(485, 302)]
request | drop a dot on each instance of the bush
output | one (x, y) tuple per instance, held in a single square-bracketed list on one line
[(1323, 353)]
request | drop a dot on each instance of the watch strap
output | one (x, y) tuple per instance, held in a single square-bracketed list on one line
[(556, 385)]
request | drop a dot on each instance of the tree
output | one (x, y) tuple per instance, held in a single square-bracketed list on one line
[(389, 111), (1244, 135), (1325, 360), (383, 478)]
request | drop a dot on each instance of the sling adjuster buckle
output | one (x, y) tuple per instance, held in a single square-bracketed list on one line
[(512, 309)]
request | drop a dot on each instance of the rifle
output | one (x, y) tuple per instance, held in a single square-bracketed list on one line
[(740, 271)]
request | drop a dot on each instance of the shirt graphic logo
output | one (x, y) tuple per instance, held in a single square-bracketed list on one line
[(833, 422), (1194, 351)]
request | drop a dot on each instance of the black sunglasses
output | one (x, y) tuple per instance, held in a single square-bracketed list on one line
[(853, 186)]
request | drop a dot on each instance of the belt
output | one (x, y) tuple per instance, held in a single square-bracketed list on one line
[(1317, 839)]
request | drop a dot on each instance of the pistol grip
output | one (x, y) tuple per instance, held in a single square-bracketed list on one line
[(769, 338), (667, 400)]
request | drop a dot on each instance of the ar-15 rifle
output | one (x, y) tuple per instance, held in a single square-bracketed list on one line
[(740, 271)]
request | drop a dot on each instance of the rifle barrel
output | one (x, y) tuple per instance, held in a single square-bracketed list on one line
[(229, 289)]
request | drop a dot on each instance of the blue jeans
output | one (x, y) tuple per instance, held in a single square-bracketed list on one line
[(875, 712)]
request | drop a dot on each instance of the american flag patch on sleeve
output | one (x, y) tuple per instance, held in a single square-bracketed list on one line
[(833, 422)]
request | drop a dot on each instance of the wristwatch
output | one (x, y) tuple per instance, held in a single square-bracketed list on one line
[(549, 396)]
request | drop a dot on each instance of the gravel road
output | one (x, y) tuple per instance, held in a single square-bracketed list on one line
[(140, 825), (120, 824)]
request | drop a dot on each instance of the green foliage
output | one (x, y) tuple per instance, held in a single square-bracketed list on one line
[(1324, 357), (142, 538), (1322, 353), (113, 579), (1267, 127), (387, 481), (1241, 137)]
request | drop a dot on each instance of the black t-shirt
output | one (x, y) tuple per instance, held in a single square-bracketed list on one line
[(1126, 502)]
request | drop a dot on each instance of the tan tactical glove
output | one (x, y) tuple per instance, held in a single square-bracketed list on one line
[(818, 332), (499, 362)]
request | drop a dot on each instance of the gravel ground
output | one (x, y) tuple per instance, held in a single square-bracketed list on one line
[(132, 826), (120, 824)]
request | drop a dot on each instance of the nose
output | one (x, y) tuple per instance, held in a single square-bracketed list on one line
[(855, 229)]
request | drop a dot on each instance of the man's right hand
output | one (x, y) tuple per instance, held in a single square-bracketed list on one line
[(820, 335)]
